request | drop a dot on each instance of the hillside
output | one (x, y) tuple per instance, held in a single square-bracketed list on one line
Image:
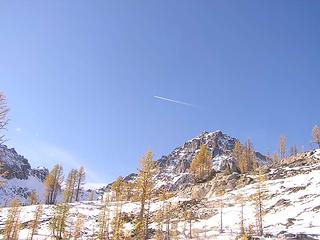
[(172, 174), (20, 179), (173, 168), (292, 205)]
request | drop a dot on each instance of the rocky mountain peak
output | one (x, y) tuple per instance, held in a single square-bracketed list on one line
[(17, 166), (173, 168)]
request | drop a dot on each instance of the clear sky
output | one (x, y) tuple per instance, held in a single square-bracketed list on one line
[(81, 77)]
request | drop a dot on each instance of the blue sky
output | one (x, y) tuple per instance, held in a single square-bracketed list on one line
[(80, 77)]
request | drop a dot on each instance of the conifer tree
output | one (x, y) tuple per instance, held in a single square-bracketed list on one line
[(316, 135), (58, 222), (190, 215), (237, 151), (221, 212), (293, 150), (162, 216), (240, 199), (282, 146), (275, 158), (117, 226), (103, 220), (174, 234), (250, 156), (129, 187), (258, 198), (70, 186), (244, 156), (243, 163), (144, 185), (34, 224), (220, 193), (165, 210), (12, 224), (118, 188), (201, 165), (53, 183), (158, 220), (167, 218), (78, 226), (80, 182)]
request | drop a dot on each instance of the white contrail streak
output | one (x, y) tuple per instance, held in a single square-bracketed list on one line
[(175, 101)]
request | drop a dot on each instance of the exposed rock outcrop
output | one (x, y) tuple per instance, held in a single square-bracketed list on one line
[(173, 168), (14, 165)]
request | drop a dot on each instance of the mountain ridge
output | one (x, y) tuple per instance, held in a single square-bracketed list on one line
[(173, 168)]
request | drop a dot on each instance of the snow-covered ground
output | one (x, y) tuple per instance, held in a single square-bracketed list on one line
[(292, 206), (19, 188)]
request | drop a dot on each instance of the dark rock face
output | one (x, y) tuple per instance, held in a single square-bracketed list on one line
[(40, 173), (130, 177), (17, 166), (299, 236)]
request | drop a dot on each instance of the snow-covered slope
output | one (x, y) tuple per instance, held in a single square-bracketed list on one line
[(292, 205), (173, 174), (19, 180)]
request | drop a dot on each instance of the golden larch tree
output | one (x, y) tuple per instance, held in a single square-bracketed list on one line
[(244, 156), (34, 224), (70, 186), (282, 146), (201, 165), (12, 224), (258, 198), (81, 177), (78, 225), (129, 191), (237, 151), (118, 188), (53, 184), (104, 219), (58, 222), (144, 188), (275, 159), (220, 192)]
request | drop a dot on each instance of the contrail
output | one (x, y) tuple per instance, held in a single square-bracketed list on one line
[(175, 101)]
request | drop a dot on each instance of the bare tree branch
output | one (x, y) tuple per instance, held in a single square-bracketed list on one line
[(3, 116)]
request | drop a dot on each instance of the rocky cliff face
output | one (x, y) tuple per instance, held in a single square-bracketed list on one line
[(173, 168), (17, 166), (20, 180)]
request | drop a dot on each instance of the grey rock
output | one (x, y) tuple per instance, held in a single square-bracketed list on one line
[(173, 168), (17, 166)]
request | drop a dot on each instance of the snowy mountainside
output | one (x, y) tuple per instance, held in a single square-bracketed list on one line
[(291, 204), (173, 168), (19, 179)]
